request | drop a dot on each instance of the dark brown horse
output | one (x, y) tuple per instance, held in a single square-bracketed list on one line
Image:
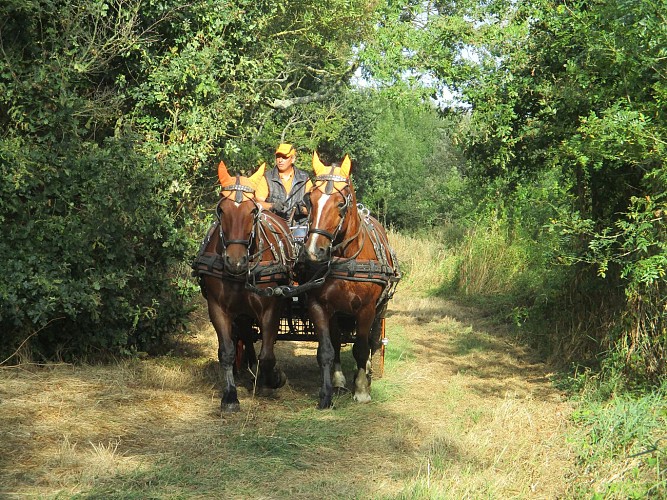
[(349, 248), (248, 252)]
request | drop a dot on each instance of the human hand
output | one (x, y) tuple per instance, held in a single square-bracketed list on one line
[(278, 206)]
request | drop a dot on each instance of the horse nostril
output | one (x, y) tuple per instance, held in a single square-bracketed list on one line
[(322, 254), (236, 265), (327, 253)]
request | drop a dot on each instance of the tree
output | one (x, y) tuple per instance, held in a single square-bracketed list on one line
[(112, 117), (405, 166), (574, 90)]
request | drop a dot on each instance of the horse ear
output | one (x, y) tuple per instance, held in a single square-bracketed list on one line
[(223, 176), (346, 166), (257, 176), (318, 166)]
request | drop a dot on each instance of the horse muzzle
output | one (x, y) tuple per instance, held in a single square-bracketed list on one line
[(236, 265), (315, 254)]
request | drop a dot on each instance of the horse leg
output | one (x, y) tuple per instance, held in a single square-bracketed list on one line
[(338, 377), (325, 353), (269, 374), (226, 353), (361, 351)]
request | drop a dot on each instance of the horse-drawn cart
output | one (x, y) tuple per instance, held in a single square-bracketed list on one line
[(328, 281), (296, 325)]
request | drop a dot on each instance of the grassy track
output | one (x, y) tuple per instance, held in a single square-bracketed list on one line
[(460, 413)]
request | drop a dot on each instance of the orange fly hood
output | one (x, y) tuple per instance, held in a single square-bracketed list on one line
[(334, 177), (239, 187)]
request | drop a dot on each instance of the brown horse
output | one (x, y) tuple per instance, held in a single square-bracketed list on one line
[(349, 248), (248, 252)]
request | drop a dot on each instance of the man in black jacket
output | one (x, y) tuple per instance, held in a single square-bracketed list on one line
[(283, 187)]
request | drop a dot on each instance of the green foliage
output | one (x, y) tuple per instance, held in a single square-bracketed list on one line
[(113, 116), (88, 253), (226, 78), (405, 166), (568, 96), (626, 430), (557, 145)]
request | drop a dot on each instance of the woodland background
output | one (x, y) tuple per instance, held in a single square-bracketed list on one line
[(530, 136)]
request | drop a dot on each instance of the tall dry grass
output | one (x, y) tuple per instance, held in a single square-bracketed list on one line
[(428, 261), (489, 264), (478, 262)]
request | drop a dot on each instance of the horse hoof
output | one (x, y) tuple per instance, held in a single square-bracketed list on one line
[(230, 407), (338, 380), (325, 403), (275, 381), (362, 398), (282, 379)]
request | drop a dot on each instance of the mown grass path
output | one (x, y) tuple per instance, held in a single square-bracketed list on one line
[(461, 412)]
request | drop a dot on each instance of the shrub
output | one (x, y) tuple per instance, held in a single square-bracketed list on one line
[(88, 251)]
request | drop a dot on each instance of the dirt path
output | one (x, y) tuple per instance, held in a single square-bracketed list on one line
[(460, 413)]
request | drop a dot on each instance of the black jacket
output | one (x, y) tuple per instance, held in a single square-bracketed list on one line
[(277, 192)]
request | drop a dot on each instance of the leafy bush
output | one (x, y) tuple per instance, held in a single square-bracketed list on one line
[(86, 257), (112, 119)]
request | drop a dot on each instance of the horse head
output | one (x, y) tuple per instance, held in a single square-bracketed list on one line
[(330, 203), (238, 213)]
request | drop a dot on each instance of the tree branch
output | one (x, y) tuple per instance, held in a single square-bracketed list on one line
[(314, 97)]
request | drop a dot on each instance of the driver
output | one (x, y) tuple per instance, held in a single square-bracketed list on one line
[(283, 187)]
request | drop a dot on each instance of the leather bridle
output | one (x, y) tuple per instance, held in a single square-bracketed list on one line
[(330, 187), (241, 193)]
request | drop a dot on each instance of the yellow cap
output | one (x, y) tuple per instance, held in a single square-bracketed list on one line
[(285, 150)]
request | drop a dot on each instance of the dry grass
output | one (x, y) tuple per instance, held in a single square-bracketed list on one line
[(425, 260), (460, 413), (498, 431)]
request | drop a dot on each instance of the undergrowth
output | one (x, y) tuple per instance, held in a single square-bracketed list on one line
[(621, 438), (621, 417)]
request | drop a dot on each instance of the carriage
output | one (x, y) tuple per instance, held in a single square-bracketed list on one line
[(329, 282)]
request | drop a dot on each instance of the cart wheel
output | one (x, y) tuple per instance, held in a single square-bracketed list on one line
[(377, 361)]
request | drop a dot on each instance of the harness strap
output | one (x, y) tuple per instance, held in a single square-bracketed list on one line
[(211, 264), (324, 233)]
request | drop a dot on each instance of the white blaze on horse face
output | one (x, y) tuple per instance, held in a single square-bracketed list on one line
[(313, 238)]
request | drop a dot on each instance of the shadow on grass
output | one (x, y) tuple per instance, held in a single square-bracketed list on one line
[(279, 446), (173, 441), (470, 341)]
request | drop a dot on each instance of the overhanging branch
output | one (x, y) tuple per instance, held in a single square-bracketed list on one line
[(314, 97)]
